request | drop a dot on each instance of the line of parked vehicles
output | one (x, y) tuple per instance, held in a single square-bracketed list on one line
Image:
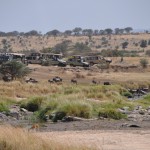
[(47, 59)]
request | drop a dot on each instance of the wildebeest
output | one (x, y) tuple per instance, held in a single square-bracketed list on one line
[(94, 81), (107, 83), (50, 81), (55, 80), (31, 80), (7, 78), (74, 81)]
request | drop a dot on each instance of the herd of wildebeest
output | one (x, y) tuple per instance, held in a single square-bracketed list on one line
[(138, 92), (58, 79)]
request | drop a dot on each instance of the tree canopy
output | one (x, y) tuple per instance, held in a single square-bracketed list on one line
[(14, 69)]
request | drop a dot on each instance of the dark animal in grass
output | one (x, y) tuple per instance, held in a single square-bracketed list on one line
[(50, 81), (31, 80), (55, 80), (94, 81), (107, 83), (7, 78), (74, 81)]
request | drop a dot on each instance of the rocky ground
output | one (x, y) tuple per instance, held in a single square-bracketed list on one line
[(138, 118)]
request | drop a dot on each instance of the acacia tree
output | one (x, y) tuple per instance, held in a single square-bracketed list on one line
[(32, 33), (96, 32), (53, 33), (68, 32), (121, 31), (77, 30), (117, 31), (124, 45), (14, 69), (128, 29), (143, 44), (109, 31)]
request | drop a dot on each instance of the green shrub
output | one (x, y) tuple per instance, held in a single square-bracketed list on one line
[(71, 89), (111, 113), (78, 109), (42, 114), (144, 102), (144, 62), (34, 104), (127, 94), (53, 104), (58, 116), (3, 107)]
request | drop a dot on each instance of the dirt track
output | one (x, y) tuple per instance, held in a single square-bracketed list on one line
[(102, 140), (99, 134), (95, 125)]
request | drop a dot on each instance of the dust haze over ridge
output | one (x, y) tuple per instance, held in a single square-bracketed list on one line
[(47, 15)]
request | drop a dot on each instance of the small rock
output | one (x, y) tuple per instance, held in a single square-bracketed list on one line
[(139, 107), (14, 115), (142, 112), (148, 112), (24, 110)]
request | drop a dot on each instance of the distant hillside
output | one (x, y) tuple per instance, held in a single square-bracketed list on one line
[(132, 42)]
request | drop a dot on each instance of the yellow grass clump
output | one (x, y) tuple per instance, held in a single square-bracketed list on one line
[(18, 139)]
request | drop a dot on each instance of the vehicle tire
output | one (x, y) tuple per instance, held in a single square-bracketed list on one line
[(91, 63), (62, 65), (72, 65)]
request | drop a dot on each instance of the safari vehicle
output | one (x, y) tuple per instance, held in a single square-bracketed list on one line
[(18, 57), (53, 59), (4, 57), (34, 59), (96, 60), (77, 60)]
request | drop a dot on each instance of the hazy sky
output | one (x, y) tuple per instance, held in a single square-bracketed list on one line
[(46, 15)]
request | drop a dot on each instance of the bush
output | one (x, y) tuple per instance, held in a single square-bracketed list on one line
[(78, 109), (58, 116), (15, 69), (34, 104), (144, 62), (42, 114), (127, 94), (145, 102), (111, 113), (148, 52), (3, 107)]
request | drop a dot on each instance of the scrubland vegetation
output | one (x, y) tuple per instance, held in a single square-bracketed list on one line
[(45, 99), (74, 100)]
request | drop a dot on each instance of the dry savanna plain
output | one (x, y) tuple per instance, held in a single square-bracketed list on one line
[(107, 118)]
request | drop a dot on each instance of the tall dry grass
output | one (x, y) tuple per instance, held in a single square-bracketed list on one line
[(18, 139), (24, 90)]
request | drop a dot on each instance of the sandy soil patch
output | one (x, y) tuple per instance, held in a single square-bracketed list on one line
[(102, 140)]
